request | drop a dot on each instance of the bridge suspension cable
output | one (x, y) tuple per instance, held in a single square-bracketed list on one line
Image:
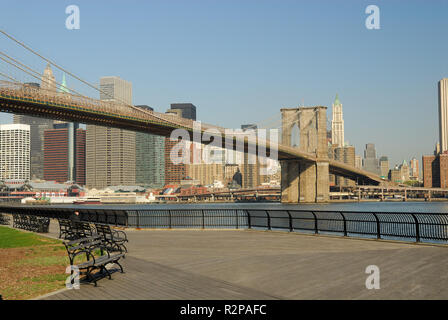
[(22, 44)]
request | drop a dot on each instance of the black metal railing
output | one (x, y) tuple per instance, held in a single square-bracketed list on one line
[(408, 226), (430, 227)]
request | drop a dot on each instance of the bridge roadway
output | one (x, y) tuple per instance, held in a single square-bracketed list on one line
[(232, 264), (22, 99)]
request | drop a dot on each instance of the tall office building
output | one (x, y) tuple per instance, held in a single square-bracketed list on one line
[(80, 152), (337, 124), (404, 167), (370, 161), (443, 114), (174, 173), (211, 168), (414, 170), (430, 171), (71, 127), (188, 110), (149, 157), (250, 168), (57, 153), (358, 162), (384, 167), (346, 155), (435, 171), (110, 152), (48, 81), (37, 127), (14, 152)]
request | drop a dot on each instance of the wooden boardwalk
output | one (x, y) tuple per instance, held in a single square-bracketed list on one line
[(232, 264)]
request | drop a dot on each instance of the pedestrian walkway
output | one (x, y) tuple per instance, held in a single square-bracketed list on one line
[(243, 264)]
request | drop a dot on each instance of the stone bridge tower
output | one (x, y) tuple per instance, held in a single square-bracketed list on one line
[(304, 180)]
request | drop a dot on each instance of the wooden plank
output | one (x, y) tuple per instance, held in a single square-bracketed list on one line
[(223, 264)]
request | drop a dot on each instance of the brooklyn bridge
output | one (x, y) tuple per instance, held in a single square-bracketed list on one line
[(305, 168)]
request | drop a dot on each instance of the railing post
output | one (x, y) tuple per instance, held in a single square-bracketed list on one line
[(138, 219), (345, 223), (316, 229), (249, 224), (290, 221), (236, 216), (169, 219), (269, 219), (378, 226), (417, 228), (126, 219), (203, 219)]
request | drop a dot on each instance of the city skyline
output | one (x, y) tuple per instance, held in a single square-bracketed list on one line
[(224, 82)]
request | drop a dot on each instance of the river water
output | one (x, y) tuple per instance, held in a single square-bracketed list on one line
[(415, 207)]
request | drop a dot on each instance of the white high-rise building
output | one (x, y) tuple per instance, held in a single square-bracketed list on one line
[(14, 152), (443, 114), (337, 124)]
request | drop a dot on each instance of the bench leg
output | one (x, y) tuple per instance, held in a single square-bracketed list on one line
[(116, 262), (103, 268)]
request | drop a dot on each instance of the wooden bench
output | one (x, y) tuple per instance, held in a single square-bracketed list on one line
[(31, 223), (114, 239), (72, 230), (90, 254), (65, 227), (4, 219)]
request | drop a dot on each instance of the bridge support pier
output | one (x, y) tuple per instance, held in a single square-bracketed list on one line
[(304, 182)]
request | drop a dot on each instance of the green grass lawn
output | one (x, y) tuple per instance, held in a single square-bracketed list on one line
[(30, 265), (11, 238)]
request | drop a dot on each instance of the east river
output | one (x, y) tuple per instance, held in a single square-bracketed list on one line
[(415, 207)]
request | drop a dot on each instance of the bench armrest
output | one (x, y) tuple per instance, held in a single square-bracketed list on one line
[(119, 234)]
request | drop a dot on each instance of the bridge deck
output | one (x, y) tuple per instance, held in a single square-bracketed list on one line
[(231, 264)]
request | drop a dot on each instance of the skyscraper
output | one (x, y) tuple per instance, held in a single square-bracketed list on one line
[(370, 161), (38, 126), (358, 162), (346, 155), (414, 170), (14, 152), (57, 153), (174, 173), (384, 167), (337, 124), (443, 114), (71, 128), (150, 158), (110, 152), (48, 80), (250, 168), (188, 110)]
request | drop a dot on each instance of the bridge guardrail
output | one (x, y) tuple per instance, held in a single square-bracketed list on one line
[(408, 226)]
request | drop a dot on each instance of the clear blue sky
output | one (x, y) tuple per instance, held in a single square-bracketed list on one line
[(241, 61)]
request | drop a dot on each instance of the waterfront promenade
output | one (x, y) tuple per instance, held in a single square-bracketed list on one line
[(246, 264)]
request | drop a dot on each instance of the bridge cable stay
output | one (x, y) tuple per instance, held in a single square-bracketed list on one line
[(34, 71), (9, 77), (73, 75), (37, 75), (151, 113), (140, 110), (21, 43)]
